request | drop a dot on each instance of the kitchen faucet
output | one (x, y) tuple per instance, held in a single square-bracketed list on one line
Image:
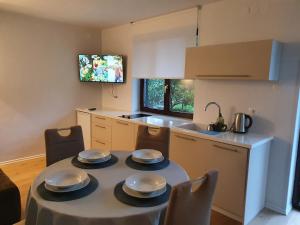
[(219, 125), (213, 103)]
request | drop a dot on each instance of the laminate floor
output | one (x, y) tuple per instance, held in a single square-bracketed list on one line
[(24, 172)]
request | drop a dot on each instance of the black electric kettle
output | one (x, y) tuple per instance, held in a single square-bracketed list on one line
[(242, 123)]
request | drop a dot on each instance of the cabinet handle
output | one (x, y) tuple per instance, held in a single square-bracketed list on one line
[(100, 142), (101, 126), (100, 118), (186, 138), (226, 149), (223, 76), (123, 123)]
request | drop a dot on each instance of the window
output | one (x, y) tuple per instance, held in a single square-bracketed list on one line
[(168, 97)]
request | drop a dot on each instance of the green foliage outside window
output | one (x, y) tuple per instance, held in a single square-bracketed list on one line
[(181, 95), (154, 94)]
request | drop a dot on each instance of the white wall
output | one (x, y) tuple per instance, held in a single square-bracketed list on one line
[(275, 103), (117, 40), (39, 84)]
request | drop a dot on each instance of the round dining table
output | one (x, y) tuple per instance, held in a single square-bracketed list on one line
[(100, 207)]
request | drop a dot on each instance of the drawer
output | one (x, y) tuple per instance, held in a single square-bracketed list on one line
[(101, 131), (101, 119), (102, 145)]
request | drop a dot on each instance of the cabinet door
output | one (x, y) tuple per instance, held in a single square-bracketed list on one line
[(101, 119), (190, 153), (231, 162), (84, 120), (101, 132), (99, 144), (123, 135)]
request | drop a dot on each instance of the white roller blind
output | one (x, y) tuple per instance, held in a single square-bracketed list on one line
[(159, 45)]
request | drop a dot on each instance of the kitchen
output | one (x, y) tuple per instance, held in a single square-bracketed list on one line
[(273, 105)]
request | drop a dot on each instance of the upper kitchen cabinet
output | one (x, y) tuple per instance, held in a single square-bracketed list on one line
[(159, 44), (255, 60)]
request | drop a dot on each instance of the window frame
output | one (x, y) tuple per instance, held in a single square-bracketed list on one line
[(167, 98)]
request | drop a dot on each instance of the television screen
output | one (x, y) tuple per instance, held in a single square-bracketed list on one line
[(101, 68)]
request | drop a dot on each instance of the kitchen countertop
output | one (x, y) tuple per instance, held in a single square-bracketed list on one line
[(249, 140)]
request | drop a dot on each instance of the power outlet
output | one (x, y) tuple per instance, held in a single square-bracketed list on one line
[(251, 111)]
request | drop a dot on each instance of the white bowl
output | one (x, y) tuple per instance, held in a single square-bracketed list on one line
[(65, 178), (93, 154), (102, 160), (70, 189), (146, 183), (136, 194), (148, 162), (147, 154)]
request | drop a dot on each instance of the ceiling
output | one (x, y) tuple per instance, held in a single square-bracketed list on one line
[(98, 13)]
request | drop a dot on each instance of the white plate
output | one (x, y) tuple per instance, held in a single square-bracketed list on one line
[(65, 178), (146, 183), (93, 155), (94, 161), (143, 195), (147, 155), (148, 162), (70, 189)]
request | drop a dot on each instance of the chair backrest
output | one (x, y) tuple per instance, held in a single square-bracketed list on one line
[(59, 147), (192, 207), (159, 141)]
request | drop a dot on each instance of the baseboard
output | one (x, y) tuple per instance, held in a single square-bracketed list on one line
[(277, 209), (228, 214), (22, 159)]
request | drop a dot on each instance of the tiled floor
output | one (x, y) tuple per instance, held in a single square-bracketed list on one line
[(267, 217)]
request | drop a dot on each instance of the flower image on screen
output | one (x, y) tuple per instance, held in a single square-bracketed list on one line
[(101, 68)]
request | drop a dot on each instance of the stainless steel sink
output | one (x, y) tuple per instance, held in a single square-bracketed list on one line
[(198, 128)]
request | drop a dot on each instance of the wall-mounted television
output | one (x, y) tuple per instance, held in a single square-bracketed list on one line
[(101, 68)]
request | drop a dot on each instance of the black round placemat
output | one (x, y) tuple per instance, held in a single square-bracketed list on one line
[(113, 160), (141, 202), (146, 167), (67, 196)]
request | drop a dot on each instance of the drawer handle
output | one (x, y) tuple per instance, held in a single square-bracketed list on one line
[(100, 142), (100, 126), (123, 123), (100, 118), (226, 149), (186, 138)]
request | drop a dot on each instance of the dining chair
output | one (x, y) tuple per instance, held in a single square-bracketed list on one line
[(190, 202), (159, 140), (60, 146)]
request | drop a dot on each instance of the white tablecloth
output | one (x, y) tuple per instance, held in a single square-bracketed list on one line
[(100, 207)]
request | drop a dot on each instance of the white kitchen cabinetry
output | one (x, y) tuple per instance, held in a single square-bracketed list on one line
[(84, 120), (123, 135), (101, 132), (241, 186)]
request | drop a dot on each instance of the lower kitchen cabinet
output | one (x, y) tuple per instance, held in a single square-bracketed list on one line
[(101, 132), (123, 135), (84, 120), (185, 150), (241, 186), (103, 145)]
